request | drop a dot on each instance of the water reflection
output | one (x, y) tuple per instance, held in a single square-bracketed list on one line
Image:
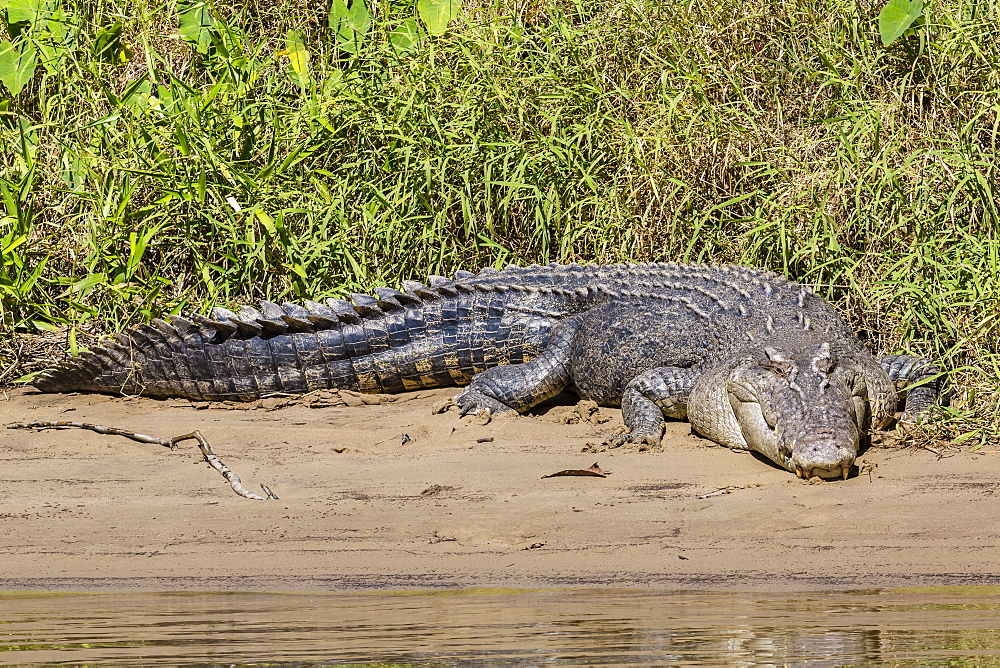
[(902, 627)]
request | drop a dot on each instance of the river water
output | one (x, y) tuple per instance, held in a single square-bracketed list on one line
[(919, 626)]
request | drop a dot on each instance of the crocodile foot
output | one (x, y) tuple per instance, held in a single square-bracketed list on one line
[(642, 440), (472, 402), (911, 418)]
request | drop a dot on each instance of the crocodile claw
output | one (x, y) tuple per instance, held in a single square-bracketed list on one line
[(472, 402)]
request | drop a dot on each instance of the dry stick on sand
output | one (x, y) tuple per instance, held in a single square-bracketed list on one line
[(206, 449)]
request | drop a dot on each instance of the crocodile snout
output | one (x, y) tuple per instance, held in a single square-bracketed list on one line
[(826, 459), (828, 449)]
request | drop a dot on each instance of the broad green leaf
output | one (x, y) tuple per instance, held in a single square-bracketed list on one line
[(360, 19), (404, 37), (24, 11), (10, 246), (896, 17), (298, 57), (16, 66), (437, 14), (108, 46), (338, 14), (55, 38), (350, 23), (57, 25), (196, 23)]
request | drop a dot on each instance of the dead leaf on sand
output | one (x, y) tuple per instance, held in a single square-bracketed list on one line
[(594, 471)]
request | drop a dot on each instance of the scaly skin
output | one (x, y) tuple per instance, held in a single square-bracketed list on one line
[(753, 360)]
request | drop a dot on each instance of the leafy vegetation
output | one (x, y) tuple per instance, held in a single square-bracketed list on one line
[(897, 17), (162, 156)]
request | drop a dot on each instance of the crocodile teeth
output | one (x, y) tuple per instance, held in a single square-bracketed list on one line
[(846, 471)]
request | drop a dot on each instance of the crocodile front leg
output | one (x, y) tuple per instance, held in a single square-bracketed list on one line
[(518, 387), (650, 396), (923, 382)]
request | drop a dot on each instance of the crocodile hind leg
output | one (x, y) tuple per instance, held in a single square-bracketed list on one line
[(518, 387), (922, 383), (650, 396)]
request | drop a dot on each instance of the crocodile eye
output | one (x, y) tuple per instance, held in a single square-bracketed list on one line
[(781, 371), (774, 361)]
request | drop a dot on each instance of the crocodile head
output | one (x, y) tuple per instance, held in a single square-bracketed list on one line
[(803, 407), (795, 402)]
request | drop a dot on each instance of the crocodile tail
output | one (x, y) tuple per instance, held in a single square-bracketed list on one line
[(428, 336), (249, 354)]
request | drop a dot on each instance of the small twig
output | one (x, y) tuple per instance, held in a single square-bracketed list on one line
[(940, 455), (206, 449), (727, 490)]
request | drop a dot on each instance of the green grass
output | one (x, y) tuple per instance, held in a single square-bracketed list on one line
[(782, 136)]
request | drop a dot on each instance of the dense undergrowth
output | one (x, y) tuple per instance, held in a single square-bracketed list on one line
[(145, 172)]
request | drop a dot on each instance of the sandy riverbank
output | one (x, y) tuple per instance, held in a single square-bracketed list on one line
[(358, 509)]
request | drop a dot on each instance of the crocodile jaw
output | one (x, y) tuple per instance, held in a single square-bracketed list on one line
[(825, 450)]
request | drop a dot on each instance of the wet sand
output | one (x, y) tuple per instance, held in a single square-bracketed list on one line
[(359, 509)]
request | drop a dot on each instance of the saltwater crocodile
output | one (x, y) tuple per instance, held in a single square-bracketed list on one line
[(754, 361)]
